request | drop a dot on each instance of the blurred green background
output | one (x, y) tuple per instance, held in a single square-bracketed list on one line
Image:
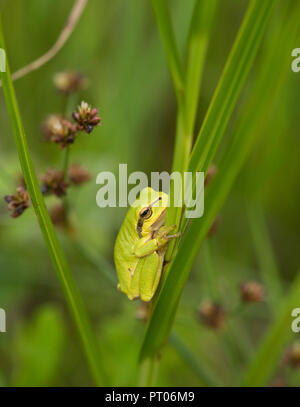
[(117, 46)]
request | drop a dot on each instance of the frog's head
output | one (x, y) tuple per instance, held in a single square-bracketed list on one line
[(150, 211)]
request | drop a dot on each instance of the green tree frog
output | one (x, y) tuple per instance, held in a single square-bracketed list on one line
[(141, 245)]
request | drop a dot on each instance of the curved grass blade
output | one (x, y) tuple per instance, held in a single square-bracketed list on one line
[(197, 45), (54, 248), (265, 361), (165, 27), (233, 77), (265, 254), (266, 358), (163, 314), (205, 375)]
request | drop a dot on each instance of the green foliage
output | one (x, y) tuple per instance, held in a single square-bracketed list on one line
[(38, 348), (235, 71), (47, 229), (231, 99)]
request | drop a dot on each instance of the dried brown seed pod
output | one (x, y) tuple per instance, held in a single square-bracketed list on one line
[(69, 81), (279, 382), (252, 291), (214, 227), (20, 180), (210, 174), (78, 175), (86, 117), (58, 215), (59, 130), (143, 311), (18, 202), (212, 314), (292, 355), (53, 183)]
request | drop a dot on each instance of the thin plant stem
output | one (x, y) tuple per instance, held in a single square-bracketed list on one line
[(237, 344), (168, 39), (53, 245), (262, 366), (148, 372), (68, 101), (265, 254), (206, 376), (66, 160), (234, 76), (72, 20), (210, 275), (197, 45)]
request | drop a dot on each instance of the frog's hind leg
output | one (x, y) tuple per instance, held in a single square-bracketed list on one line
[(150, 273), (132, 290)]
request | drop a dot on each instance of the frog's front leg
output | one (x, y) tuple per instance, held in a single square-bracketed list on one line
[(147, 245)]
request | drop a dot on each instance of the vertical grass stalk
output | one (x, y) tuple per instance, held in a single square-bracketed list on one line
[(238, 65), (53, 246)]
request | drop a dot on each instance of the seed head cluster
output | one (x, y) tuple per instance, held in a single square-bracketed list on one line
[(63, 131)]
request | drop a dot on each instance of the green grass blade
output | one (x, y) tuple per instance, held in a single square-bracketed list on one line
[(162, 317), (54, 248), (196, 51), (234, 75), (197, 45), (266, 359), (182, 140), (265, 254), (205, 375), (165, 27)]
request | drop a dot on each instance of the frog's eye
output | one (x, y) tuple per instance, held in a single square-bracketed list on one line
[(146, 213)]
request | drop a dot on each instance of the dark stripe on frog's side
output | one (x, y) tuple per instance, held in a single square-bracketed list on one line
[(139, 227)]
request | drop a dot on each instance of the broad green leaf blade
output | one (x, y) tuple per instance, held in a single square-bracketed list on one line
[(54, 248), (234, 75), (196, 51), (162, 318), (266, 358), (165, 27), (163, 314), (182, 140), (197, 45)]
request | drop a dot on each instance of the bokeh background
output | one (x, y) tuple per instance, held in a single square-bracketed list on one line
[(117, 46)]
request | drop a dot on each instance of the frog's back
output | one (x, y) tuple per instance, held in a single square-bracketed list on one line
[(125, 260)]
